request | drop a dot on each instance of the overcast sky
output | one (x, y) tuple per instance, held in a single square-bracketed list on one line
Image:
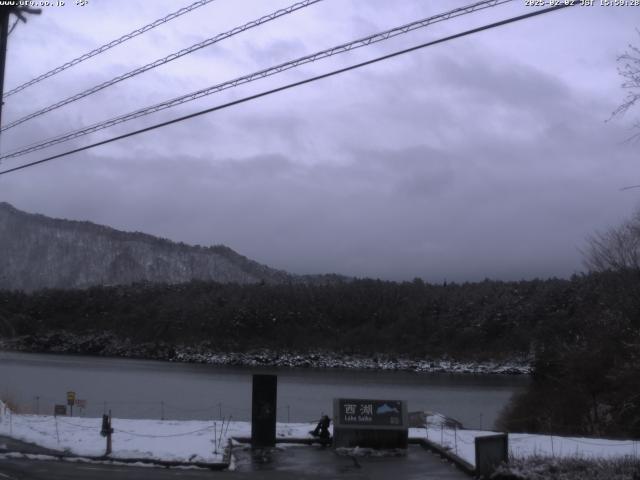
[(487, 156)]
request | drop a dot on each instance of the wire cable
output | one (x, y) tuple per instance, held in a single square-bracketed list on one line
[(362, 42), (83, 427), (164, 60), (292, 85), (144, 435), (104, 48)]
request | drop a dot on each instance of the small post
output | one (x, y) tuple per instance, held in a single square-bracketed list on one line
[(109, 432), (106, 431), (227, 429), (426, 425), (221, 432), (215, 439), (71, 399), (455, 437), (37, 405), (162, 410), (57, 433)]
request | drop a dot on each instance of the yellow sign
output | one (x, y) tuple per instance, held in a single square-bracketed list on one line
[(71, 398)]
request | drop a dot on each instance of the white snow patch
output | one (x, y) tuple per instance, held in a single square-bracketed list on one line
[(184, 441), (522, 445), (206, 441)]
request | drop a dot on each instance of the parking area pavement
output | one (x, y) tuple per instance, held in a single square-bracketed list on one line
[(290, 462), (317, 462)]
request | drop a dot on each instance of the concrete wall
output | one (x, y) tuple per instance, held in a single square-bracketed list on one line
[(369, 438)]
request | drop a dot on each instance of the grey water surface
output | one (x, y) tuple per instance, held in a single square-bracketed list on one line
[(156, 389)]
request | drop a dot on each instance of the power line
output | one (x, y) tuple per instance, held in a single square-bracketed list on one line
[(162, 61), (15, 22), (105, 47), (345, 47), (294, 84)]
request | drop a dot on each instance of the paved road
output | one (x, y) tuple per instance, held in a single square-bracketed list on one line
[(303, 463), (13, 445)]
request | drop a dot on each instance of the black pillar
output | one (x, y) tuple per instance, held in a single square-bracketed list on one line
[(263, 411), (4, 33)]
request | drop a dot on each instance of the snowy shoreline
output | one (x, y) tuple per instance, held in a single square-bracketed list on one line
[(106, 345), (206, 441), (331, 360)]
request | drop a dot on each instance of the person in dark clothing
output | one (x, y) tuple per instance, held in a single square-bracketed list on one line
[(322, 429)]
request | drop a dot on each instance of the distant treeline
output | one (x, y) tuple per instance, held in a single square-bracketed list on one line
[(584, 333), (466, 321)]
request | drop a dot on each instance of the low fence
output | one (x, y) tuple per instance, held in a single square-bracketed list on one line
[(152, 409)]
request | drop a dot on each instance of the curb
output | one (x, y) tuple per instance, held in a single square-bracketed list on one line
[(299, 440), (462, 464), (168, 463), (163, 463), (459, 462)]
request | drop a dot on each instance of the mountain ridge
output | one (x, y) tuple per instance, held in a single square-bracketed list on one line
[(37, 251)]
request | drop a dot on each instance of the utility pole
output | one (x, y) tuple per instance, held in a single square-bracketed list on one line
[(5, 13)]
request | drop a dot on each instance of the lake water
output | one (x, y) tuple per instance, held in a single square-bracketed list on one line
[(154, 389)]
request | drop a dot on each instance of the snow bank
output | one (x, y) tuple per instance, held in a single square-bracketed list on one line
[(521, 445), (543, 468), (327, 360), (525, 445), (185, 441)]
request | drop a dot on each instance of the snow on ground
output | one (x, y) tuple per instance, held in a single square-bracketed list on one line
[(186, 441), (205, 441), (525, 445), (521, 445)]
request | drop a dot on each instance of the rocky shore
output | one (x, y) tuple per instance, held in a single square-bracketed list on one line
[(107, 344)]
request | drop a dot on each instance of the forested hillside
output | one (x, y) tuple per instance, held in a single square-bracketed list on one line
[(480, 320), (42, 252)]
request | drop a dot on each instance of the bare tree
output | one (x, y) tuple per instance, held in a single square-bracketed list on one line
[(615, 249), (629, 70)]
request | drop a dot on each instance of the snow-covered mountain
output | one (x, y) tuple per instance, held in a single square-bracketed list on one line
[(42, 252)]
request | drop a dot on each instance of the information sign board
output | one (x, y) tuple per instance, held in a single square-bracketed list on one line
[(59, 410), (370, 423), (379, 413)]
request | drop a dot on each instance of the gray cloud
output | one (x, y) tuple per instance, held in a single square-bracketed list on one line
[(479, 158)]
